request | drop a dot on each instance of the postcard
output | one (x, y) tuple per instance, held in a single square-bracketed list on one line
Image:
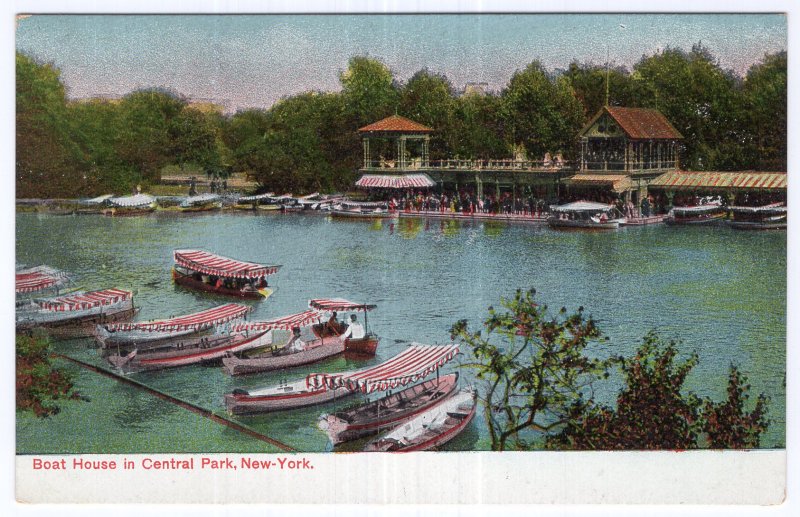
[(543, 254)]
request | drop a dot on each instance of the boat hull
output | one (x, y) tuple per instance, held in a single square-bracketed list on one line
[(82, 326), (398, 408), (589, 225), (362, 215), (191, 283), (244, 404), (743, 225), (694, 221), (240, 366), (190, 352), (365, 346)]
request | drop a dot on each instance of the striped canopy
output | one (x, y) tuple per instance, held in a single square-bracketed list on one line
[(202, 198), (80, 301), (691, 181), (412, 364), (210, 264), (386, 181), (339, 305), (133, 201), (257, 197), (582, 206), (197, 321), (38, 279), (302, 319)]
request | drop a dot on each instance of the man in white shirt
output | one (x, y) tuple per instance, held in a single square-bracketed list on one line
[(354, 330)]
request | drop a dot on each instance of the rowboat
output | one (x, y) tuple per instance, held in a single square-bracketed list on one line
[(711, 213), (586, 214), (138, 204), (768, 217), (201, 203), (366, 345), (363, 210), (389, 411), (277, 358), (432, 428), (252, 202), (413, 364), (143, 335), (39, 280), (184, 352), (216, 274), (77, 314)]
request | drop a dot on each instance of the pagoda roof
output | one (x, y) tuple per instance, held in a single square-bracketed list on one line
[(396, 124), (639, 123)]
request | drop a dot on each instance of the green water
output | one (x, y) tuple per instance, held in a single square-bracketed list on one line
[(721, 292)]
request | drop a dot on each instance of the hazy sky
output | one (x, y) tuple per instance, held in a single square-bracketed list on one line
[(253, 60)]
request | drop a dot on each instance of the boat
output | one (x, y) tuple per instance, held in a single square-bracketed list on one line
[(277, 358), (39, 280), (204, 271), (201, 203), (710, 213), (432, 428), (143, 335), (184, 352), (366, 345), (411, 365), (387, 412), (586, 214), (767, 217), (76, 315), (138, 204), (363, 210), (94, 205), (252, 202)]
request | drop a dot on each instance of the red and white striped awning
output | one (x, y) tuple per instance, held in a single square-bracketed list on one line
[(339, 305), (210, 264), (196, 321), (38, 279), (80, 301), (302, 319), (411, 365), (386, 181)]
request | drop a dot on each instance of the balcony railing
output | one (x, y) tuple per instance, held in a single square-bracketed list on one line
[(476, 165)]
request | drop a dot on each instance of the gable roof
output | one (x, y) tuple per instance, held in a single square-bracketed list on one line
[(638, 123), (396, 124)]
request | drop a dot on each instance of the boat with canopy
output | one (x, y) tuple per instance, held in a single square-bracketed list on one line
[(432, 428), (201, 203), (39, 280), (366, 345), (586, 214), (767, 217), (204, 271), (77, 314), (130, 205), (152, 334), (387, 412), (252, 202), (363, 210), (413, 364), (709, 213)]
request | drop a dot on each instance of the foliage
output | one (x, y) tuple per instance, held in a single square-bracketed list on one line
[(765, 104), (533, 366), (654, 411), (39, 384)]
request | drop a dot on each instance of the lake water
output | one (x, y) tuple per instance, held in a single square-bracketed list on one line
[(721, 292)]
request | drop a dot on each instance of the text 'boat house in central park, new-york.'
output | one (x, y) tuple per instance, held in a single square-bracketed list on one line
[(625, 153)]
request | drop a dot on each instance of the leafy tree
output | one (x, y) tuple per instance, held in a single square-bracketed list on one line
[(533, 365), (765, 97), (728, 425), (369, 91), (193, 139), (478, 128), (428, 98), (39, 385), (589, 84)]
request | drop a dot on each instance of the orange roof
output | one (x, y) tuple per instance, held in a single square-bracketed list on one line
[(396, 124), (679, 180), (618, 182), (639, 123)]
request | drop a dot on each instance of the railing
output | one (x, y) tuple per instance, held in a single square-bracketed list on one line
[(619, 165), (477, 165)]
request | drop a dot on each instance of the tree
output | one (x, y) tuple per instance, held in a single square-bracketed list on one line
[(428, 98), (589, 84), (653, 410), (533, 365), (765, 103), (369, 91), (39, 384), (478, 127), (541, 114), (193, 139)]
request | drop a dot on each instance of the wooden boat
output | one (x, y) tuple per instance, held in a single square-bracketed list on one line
[(276, 398), (768, 217), (252, 202), (387, 412), (277, 358), (77, 314), (138, 204), (711, 213), (432, 428), (363, 210), (144, 335), (366, 345), (184, 352), (412, 364), (201, 203), (39, 280), (216, 274), (586, 214)]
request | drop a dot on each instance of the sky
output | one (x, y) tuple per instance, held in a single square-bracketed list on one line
[(243, 61)]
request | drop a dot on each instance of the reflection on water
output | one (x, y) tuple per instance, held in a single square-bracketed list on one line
[(722, 292)]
